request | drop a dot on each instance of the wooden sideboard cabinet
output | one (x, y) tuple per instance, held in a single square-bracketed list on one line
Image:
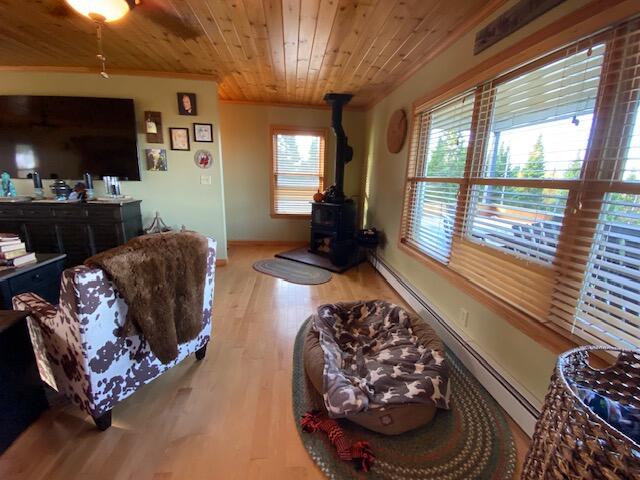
[(77, 229)]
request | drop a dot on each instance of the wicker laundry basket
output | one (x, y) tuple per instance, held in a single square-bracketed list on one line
[(572, 442)]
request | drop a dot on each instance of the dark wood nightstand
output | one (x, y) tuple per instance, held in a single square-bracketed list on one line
[(41, 278)]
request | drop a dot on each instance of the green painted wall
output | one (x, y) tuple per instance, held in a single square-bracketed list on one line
[(246, 147), (177, 194), (527, 361)]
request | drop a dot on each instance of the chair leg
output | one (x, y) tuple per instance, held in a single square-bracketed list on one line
[(103, 421), (201, 352)]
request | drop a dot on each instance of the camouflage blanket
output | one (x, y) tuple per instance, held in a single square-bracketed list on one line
[(373, 359)]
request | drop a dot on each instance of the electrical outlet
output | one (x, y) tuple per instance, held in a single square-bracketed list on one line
[(464, 317), (205, 179)]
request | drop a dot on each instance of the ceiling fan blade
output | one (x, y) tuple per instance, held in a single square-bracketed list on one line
[(163, 14), (58, 8)]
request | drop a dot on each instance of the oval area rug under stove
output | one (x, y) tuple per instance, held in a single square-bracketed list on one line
[(293, 272), (471, 441)]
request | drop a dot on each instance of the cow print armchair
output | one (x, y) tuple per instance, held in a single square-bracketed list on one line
[(79, 350)]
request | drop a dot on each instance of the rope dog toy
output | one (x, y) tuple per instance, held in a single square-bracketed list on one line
[(360, 452)]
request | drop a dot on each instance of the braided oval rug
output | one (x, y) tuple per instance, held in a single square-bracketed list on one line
[(471, 441), (294, 272)]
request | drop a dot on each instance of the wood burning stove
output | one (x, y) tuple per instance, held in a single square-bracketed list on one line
[(333, 221), (333, 228)]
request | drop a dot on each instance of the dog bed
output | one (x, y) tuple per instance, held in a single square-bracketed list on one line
[(390, 419)]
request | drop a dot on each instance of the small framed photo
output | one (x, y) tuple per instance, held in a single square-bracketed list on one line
[(187, 104), (203, 132), (179, 138), (153, 127), (156, 159)]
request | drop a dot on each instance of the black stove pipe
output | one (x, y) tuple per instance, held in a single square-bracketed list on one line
[(344, 152)]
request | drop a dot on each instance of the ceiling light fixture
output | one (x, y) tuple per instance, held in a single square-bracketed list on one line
[(101, 12)]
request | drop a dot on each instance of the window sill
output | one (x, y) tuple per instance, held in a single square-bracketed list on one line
[(545, 334), (292, 216)]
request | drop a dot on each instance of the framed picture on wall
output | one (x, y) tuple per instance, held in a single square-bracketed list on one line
[(203, 158), (187, 104), (156, 159), (153, 127), (179, 138), (203, 132)]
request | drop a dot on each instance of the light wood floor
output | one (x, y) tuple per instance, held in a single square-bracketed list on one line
[(227, 417)]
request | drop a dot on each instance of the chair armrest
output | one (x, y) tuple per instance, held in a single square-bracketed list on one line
[(41, 324), (37, 307)]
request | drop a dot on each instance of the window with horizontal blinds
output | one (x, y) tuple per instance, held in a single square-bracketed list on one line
[(541, 208), (596, 295), (298, 169), (609, 307), (539, 130), (444, 150), (433, 217), (441, 140)]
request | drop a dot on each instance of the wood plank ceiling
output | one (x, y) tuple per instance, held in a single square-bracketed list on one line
[(272, 51)]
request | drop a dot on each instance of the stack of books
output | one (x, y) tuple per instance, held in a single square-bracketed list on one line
[(13, 252)]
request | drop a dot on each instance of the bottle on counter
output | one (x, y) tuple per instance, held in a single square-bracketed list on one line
[(88, 182), (38, 192)]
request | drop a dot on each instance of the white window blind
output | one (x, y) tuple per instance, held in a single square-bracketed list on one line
[(529, 188), (518, 220), (609, 307), (440, 144), (433, 217), (298, 169)]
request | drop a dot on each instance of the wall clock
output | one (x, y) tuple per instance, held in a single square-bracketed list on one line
[(396, 131)]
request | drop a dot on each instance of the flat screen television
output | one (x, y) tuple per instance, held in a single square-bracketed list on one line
[(65, 137)]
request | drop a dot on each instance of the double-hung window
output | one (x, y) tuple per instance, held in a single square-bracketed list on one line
[(527, 187), (436, 172), (298, 159)]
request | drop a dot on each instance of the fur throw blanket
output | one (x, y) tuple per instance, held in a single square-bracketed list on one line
[(161, 277), (372, 358)]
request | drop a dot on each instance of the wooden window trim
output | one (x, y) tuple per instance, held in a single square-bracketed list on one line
[(526, 55), (293, 130), (475, 152)]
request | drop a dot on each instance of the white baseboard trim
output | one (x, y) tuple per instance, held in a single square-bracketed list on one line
[(513, 397)]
